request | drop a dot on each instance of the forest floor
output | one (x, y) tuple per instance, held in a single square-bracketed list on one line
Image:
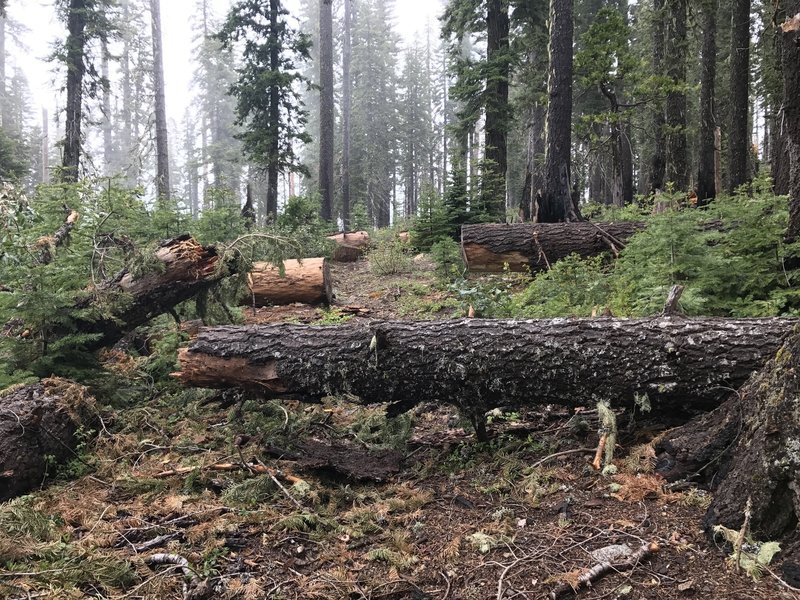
[(335, 501)]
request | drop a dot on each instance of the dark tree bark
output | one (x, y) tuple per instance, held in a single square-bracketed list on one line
[(38, 426), (556, 204), (680, 364), (677, 166), (347, 91), (497, 109), (747, 448), (791, 112), (537, 246), (274, 112), (658, 160), (76, 67), (162, 144), (108, 147), (621, 153), (3, 102), (326, 109), (739, 138), (706, 184)]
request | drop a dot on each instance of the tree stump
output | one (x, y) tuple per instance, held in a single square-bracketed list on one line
[(38, 430)]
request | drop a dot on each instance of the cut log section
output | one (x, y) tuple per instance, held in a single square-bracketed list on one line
[(488, 247), (38, 426), (307, 281), (669, 363), (349, 246)]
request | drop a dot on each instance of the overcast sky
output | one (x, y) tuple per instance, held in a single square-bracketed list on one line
[(411, 17)]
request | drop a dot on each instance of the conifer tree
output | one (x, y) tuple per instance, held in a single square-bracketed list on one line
[(272, 121), (739, 138)]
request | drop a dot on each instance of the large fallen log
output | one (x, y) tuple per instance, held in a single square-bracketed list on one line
[(307, 281), (349, 246), (38, 430), (488, 247), (479, 364), (185, 268)]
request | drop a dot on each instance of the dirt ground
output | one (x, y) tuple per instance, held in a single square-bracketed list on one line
[(244, 491)]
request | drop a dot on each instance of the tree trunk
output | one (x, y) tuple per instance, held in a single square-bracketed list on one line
[(537, 246), (706, 184), (326, 109), (162, 145), (274, 113), (349, 246), (739, 136), (307, 281), (76, 67), (108, 143), (791, 113), (677, 166), (497, 109), (747, 448), (38, 427), (3, 100), (347, 91), (556, 203), (678, 364), (188, 269), (658, 159)]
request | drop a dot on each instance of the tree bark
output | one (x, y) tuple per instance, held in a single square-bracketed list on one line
[(679, 364), (326, 109), (556, 203), (347, 91), (307, 281), (38, 426), (706, 183), (162, 144), (791, 112), (677, 166), (76, 67), (108, 142), (747, 448), (658, 159), (274, 112), (497, 109), (537, 246), (739, 138)]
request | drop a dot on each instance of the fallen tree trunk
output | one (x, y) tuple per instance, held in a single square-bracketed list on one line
[(349, 246), (480, 364), (186, 268), (38, 427), (307, 281), (488, 247)]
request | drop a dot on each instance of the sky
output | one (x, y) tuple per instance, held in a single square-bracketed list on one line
[(38, 16)]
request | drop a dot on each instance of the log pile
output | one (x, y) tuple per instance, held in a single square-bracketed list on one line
[(349, 246), (476, 364), (488, 247), (307, 281), (38, 426)]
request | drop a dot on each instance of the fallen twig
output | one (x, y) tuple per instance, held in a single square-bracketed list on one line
[(252, 467), (155, 542), (603, 568), (541, 461)]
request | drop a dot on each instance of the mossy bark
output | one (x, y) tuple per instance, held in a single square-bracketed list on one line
[(678, 364)]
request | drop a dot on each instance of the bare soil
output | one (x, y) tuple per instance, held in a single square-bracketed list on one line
[(436, 516)]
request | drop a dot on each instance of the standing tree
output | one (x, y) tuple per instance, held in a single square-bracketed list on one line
[(676, 49), (658, 158), (556, 202), (347, 98), (738, 139), (77, 15), (268, 104), (791, 109), (706, 182), (326, 109), (162, 145)]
